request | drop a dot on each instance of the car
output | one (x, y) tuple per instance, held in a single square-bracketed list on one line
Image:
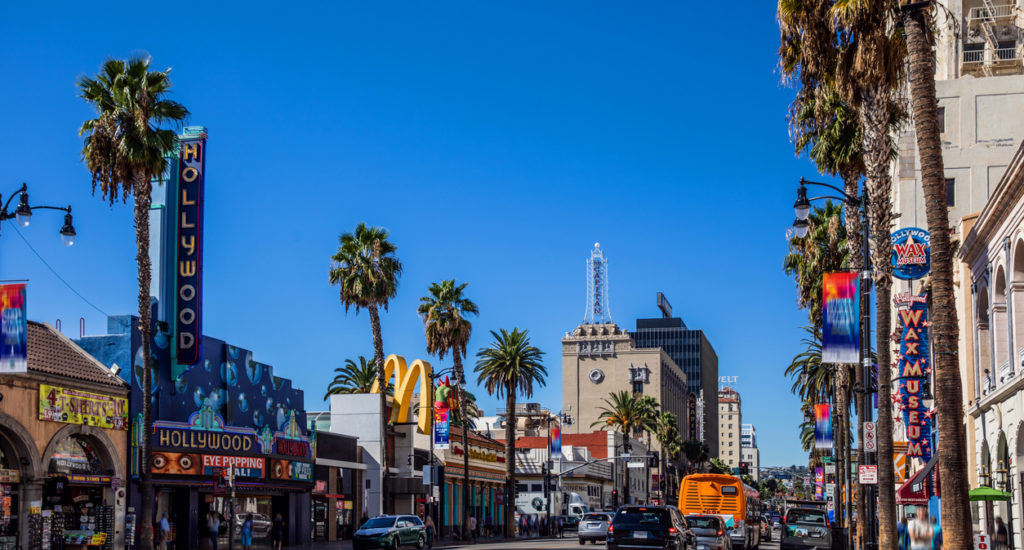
[(766, 529), (710, 532), (594, 527), (649, 527), (390, 532), (260, 524), (805, 529)]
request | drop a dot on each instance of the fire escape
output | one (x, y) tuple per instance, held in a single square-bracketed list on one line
[(988, 20)]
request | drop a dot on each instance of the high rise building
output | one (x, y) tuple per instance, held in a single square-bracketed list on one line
[(730, 422), (748, 436), (691, 350), (749, 453)]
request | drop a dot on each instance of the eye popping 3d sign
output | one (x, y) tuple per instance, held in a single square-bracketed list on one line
[(189, 274), (840, 328), (911, 253), (913, 368)]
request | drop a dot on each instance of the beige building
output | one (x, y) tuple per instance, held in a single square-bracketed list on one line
[(601, 359), (730, 427)]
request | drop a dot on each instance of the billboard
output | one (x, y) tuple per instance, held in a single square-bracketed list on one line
[(840, 318), (188, 289), (58, 404), (13, 329), (823, 426), (913, 372), (911, 253)]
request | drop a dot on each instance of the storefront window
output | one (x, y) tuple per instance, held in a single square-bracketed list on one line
[(75, 455)]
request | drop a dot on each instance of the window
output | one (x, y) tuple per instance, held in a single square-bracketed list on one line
[(942, 119), (950, 192), (730, 453)]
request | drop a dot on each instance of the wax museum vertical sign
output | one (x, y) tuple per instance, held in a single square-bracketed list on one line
[(13, 329), (914, 369), (840, 318), (188, 316)]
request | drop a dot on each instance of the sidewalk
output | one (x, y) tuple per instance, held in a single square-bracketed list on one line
[(438, 544)]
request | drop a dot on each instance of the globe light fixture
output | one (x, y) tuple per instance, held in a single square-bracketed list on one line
[(800, 228), (23, 215), (67, 233), (802, 206)]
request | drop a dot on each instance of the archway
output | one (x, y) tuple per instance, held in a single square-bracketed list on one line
[(19, 480), (1017, 299)]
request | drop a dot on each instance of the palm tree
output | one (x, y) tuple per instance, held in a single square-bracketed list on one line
[(508, 366), (366, 271), (444, 310), (696, 453), (956, 520), (124, 148), (353, 378), (719, 467), (624, 412), (670, 441)]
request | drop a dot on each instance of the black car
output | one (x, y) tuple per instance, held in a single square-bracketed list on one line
[(649, 527)]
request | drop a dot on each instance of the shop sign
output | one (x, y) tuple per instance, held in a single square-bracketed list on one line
[(245, 466), (13, 329), (90, 479), (868, 475), (320, 487), (189, 245), (10, 476), (204, 440), (291, 470), (292, 447), (913, 369), (58, 404), (911, 253)]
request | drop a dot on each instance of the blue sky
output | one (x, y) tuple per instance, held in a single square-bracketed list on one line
[(497, 142)]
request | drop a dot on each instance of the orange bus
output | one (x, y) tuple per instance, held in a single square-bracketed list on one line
[(724, 495)]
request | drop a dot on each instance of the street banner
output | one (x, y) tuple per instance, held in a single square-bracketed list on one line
[(823, 426), (913, 369), (819, 484), (556, 441), (840, 318), (13, 329), (441, 425), (911, 253)]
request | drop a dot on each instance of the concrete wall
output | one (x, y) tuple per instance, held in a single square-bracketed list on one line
[(358, 415)]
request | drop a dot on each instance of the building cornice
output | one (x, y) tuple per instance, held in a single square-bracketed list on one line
[(1006, 195)]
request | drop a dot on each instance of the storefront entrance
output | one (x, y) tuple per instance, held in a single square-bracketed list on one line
[(77, 505)]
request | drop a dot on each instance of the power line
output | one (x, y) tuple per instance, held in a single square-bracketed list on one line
[(54, 271)]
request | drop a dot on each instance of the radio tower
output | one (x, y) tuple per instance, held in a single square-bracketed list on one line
[(597, 288)]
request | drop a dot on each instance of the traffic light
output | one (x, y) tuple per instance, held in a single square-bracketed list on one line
[(652, 460), (744, 469), (615, 497)]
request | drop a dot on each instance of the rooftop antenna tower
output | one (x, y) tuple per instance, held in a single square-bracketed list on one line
[(597, 288)]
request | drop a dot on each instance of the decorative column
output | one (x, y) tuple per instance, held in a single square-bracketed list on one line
[(977, 351), (1011, 351)]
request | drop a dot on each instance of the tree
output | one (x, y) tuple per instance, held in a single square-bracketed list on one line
[(508, 366), (696, 453), (124, 149), (720, 467), (952, 449), (623, 412), (667, 433), (366, 271), (443, 311), (353, 377)]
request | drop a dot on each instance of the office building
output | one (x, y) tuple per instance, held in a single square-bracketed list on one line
[(750, 455), (730, 422)]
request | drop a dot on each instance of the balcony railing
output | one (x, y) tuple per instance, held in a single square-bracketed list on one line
[(984, 13), (974, 56), (1001, 54), (1004, 371), (1007, 54)]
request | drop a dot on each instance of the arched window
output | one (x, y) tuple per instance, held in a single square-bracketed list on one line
[(75, 455)]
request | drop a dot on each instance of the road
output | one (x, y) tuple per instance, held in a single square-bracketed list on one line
[(545, 544)]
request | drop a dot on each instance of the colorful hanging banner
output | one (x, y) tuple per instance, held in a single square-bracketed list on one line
[(441, 425), (911, 253), (556, 441), (13, 329), (913, 368), (840, 318), (819, 484), (823, 426)]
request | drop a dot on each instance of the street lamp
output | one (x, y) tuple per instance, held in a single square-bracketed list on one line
[(22, 215)]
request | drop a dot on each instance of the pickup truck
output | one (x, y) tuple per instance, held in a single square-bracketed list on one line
[(805, 529)]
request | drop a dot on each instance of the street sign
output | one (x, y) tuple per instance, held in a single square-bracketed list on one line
[(640, 464), (828, 459), (868, 475), (982, 542), (830, 469), (870, 437)]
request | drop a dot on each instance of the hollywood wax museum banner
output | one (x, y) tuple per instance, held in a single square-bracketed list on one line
[(823, 426), (914, 367), (840, 315), (13, 329), (911, 253)]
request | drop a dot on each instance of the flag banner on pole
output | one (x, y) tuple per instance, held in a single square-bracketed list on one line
[(823, 426), (914, 370), (819, 484), (441, 429), (840, 318), (556, 441), (13, 329)]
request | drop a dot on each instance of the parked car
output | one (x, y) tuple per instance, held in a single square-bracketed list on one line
[(594, 527), (710, 531), (649, 527), (805, 528), (260, 524), (390, 532)]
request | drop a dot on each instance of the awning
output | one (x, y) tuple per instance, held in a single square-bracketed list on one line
[(916, 489), (987, 493)]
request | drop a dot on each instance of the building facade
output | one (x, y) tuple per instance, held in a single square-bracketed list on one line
[(749, 453), (337, 477), (693, 353), (730, 424), (63, 448)]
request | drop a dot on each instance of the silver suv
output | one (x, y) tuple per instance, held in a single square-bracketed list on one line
[(805, 529), (594, 527)]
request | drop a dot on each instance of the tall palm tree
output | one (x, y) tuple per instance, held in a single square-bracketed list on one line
[(124, 148), (956, 520), (443, 311), (624, 412), (353, 377), (510, 365), (667, 433), (696, 453), (366, 271)]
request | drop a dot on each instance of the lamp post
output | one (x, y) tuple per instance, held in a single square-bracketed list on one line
[(433, 469), (566, 419), (23, 214), (802, 209)]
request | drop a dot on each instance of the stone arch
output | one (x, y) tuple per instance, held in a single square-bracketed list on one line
[(1017, 302), (105, 447), (23, 446)]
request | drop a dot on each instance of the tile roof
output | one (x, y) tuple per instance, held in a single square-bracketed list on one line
[(50, 352)]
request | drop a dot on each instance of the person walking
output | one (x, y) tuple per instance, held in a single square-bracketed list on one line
[(472, 528), (246, 532), (920, 530), (901, 533), (277, 532), (429, 524), (561, 526), (165, 531), (213, 526), (936, 534), (1002, 538)]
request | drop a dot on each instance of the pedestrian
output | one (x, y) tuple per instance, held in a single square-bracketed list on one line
[(165, 531), (429, 524), (213, 526), (246, 532), (1002, 537), (277, 532), (472, 528), (489, 524), (920, 530), (936, 534), (901, 533), (522, 525), (561, 526)]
